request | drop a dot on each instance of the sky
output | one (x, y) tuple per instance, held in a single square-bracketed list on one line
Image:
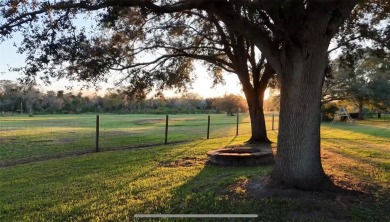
[(202, 85)]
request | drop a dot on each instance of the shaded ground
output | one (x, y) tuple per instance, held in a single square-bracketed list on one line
[(184, 162), (15, 162), (9, 163), (359, 196), (114, 186)]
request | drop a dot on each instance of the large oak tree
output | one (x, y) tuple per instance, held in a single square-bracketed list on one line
[(293, 36)]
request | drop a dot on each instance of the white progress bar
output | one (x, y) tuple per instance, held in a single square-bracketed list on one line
[(195, 215)]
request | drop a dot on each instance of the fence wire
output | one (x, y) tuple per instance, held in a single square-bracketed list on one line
[(28, 138)]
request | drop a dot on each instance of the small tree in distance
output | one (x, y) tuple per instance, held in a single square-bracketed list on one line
[(231, 104)]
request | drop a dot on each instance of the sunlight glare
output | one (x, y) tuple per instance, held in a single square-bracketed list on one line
[(266, 94)]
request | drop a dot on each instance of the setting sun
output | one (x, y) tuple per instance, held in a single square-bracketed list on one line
[(266, 94)]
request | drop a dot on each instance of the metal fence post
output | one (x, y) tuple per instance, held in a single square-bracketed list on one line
[(273, 119), (208, 127), (97, 133), (166, 129), (237, 126)]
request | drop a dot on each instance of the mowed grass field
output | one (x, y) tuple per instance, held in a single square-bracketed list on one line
[(23, 137), (174, 178)]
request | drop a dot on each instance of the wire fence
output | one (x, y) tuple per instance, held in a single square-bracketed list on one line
[(25, 139)]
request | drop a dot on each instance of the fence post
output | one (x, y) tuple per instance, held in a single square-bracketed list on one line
[(166, 129), (273, 119), (97, 133), (208, 127), (237, 126)]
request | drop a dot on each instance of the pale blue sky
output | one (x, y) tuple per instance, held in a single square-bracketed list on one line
[(202, 85)]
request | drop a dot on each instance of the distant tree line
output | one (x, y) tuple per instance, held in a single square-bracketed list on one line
[(14, 98), (359, 80)]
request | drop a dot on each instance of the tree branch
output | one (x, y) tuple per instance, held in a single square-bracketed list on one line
[(258, 35)]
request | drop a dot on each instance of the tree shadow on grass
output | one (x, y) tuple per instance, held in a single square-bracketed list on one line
[(372, 156), (362, 195), (380, 133), (243, 190), (215, 190)]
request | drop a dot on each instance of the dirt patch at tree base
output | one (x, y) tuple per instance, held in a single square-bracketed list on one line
[(357, 195), (184, 162), (315, 205)]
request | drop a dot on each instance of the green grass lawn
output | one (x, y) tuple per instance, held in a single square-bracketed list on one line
[(113, 186), (23, 137)]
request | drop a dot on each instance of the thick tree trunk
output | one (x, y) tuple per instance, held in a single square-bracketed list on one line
[(254, 95), (298, 160), (360, 115), (298, 53), (256, 113)]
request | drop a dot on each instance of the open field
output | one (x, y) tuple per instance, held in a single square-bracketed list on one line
[(23, 137), (113, 186)]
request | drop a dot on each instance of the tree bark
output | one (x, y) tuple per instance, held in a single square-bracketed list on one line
[(256, 113), (254, 95), (254, 92), (360, 115), (298, 160)]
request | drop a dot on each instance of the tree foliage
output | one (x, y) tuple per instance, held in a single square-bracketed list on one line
[(231, 104), (14, 97), (126, 30), (363, 77), (369, 23), (149, 49)]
